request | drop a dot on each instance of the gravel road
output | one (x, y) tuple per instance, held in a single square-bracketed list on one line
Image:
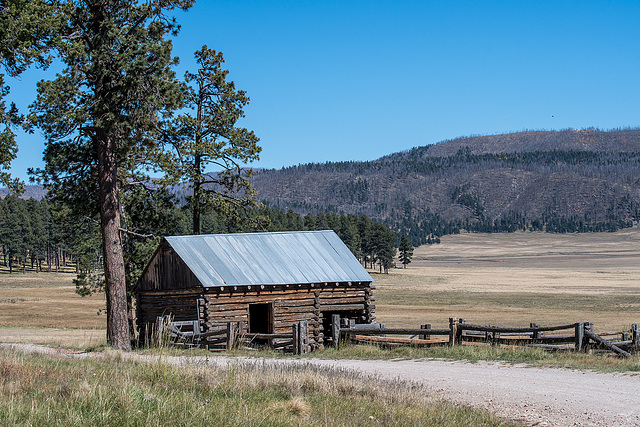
[(540, 396)]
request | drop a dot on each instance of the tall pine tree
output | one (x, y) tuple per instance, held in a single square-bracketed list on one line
[(99, 116), (207, 136)]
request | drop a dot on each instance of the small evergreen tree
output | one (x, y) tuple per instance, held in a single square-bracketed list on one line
[(382, 241), (405, 250)]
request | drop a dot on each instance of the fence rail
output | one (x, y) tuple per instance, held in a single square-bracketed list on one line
[(582, 338)]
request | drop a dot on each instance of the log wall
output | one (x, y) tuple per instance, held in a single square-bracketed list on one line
[(290, 305), (180, 305)]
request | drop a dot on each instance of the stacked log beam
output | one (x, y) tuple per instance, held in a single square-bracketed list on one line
[(183, 305), (369, 305)]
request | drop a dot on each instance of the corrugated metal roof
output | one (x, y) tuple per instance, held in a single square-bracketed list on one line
[(280, 258)]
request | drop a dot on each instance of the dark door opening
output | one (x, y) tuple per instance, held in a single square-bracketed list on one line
[(261, 318)]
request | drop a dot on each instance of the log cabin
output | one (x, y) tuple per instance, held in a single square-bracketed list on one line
[(268, 281)]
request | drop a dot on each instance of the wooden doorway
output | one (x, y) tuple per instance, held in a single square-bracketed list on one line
[(261, 318)]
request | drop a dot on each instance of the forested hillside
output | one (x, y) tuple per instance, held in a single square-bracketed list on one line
[(558, 181)]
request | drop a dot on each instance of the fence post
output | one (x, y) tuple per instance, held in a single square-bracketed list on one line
[(232, 332), (635, 339), (453, 331), (588, 326), (296, 338), (425, 337), (159, 327), (303, 336), (579, 338), (460, 331), (495, 339), (535, 336), (383, 326), (335, 330)]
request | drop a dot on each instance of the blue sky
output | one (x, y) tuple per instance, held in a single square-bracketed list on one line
[(355, 80)]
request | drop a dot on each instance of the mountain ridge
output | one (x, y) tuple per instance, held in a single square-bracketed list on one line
[(531, 180)]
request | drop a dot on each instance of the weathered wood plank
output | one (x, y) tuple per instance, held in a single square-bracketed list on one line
[(468, 327), (227, 307), (213, 323), (361, 330), (294, 302), (298, 309), (344, 307), (295, 316), (281, 294), (286, 324), (348, 300), (605, 343), (224, 314), (339, 293)]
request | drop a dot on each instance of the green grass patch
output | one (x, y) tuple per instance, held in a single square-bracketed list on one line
[(600, 362), (40, 390)]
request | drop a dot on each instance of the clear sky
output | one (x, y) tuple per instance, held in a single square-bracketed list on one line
[(355, 80)]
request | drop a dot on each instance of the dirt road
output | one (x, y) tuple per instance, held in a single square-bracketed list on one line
[(540, 396)]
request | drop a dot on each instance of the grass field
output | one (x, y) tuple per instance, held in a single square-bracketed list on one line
[(43, 308), (500, 279), (514, 279), (44, 390)]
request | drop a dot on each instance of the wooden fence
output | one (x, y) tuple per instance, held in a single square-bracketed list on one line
[(574, 336), (233, 335)]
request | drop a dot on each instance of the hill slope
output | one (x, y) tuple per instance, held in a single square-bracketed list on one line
[(571, 180)]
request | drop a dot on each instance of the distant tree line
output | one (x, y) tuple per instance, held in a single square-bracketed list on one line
[(35, 235), (430, 227), (417, 161), (43, 236)]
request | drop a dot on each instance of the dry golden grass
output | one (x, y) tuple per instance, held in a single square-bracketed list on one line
[(34, 280), (44, 308), (500, 279), (514, 279)]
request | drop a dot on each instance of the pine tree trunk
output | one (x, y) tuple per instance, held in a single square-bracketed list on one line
[(196, 207), (197, 165), (114, 273)]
